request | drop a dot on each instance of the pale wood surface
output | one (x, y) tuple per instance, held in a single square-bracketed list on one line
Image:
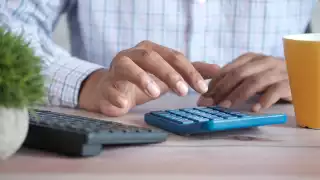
[(273, 152)]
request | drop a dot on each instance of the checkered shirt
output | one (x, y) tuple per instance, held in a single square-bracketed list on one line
[(215, 31)]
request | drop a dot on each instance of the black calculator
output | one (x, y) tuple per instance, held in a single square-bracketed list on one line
[(81, 136)]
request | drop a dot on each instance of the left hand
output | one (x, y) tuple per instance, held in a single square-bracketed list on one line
[(248, 75)]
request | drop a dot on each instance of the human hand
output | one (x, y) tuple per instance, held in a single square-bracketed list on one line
[(248, 75), (140, 74)]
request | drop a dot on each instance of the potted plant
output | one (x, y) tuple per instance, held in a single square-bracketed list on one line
[(21, 87)]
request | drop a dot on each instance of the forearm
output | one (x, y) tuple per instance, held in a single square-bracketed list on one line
[(63, 72)]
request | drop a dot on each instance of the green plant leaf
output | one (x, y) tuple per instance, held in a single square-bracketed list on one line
[(21, 82)]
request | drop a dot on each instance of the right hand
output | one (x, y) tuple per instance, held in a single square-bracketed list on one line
[(140, 74)]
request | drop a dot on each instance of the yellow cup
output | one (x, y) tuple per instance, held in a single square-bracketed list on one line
[(302, 54)]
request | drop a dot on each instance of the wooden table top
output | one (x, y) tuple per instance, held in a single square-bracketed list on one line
[(270, 152)]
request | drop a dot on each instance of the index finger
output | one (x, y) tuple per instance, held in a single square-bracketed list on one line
[(240, 61), (181, 64)]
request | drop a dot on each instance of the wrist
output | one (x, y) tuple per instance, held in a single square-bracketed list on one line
[(89, 83)]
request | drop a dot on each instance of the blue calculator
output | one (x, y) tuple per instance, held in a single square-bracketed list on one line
[(188, 121)]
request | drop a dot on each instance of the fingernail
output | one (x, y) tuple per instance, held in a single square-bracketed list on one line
[(257, 107), (182, 88), (225, 104), (203, 86), (203, 101), (152, 89)]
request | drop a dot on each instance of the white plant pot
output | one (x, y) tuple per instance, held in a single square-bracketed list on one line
[(14, 124)]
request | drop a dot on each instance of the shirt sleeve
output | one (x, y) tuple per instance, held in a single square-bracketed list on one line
[(34, 20)]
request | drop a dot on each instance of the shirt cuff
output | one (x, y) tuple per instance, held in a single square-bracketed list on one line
[(65, 81)]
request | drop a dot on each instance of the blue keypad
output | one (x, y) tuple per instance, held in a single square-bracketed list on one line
[(173, 117), (189, 116), (202, 114), (230, 112), (199, 115)]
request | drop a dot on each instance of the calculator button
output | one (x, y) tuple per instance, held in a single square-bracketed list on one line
[(173, 117), (219, 108), (178, 112), (165, 115), (189, 116), (200, 113), (198, 118), (182, 120), (219, 114), (226, 116), (210, 111), (229, 112)]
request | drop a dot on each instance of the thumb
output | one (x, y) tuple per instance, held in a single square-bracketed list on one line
[(206, 70)]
